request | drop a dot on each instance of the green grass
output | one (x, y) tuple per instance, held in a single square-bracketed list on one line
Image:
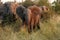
[(49, 31)]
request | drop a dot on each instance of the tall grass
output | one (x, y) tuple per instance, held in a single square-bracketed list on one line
[(50, 30)]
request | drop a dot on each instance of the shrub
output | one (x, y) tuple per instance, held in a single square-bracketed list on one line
[(8, 19), (27, 3)]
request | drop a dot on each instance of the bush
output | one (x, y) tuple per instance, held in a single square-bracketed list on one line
[(27, 3), (8, 19)]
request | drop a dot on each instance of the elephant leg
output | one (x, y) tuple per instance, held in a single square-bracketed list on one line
[(38, 25), (29, 27)]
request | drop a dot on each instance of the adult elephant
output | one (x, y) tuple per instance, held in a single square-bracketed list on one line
[(25, 15), (30, 16), (8, 15), (35, 17), (13, 7)]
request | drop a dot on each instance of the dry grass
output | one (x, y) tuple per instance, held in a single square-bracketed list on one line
[(49, 31)]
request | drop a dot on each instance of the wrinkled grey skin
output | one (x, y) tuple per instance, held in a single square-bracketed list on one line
[(2, 12), (22, 13)]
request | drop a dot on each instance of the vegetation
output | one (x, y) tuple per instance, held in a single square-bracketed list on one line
[(49, 30), (8, 19), (27, 3), (56, 7)]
